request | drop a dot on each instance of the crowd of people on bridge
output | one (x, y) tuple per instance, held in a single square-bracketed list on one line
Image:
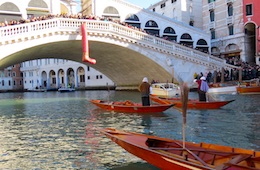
[(249, 72), (73, 16)]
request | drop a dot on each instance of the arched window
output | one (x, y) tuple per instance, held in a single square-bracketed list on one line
[(186, 40), (10, 12), (169, 34), (202, 45), (151, 23), (133, 20), (37, 8), (111, 12), (151, 27)]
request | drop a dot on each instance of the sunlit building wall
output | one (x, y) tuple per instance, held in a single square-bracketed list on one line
[(224, 20), (187, 11)]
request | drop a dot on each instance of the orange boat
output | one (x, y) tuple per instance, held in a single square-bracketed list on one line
[(192, 103), (249, 87), (130, 107), (248, 90), (170, 154)]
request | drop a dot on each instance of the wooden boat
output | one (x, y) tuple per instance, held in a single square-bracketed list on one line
[(192, 103), (130, 107), (170, 154), (63, 89), (250, 87), (165, 89)]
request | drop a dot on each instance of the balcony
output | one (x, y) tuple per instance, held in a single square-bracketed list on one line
[(230, 20), (211, 6), (211, 25)]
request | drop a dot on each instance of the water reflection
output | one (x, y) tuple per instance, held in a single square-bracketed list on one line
[(61, 130)]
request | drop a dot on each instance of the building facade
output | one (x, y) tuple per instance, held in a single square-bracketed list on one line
[(11, 79), (52, 74), (233, 31), (187, 11), (251, 13)]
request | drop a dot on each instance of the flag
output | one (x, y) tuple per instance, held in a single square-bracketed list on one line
[(85, 47)]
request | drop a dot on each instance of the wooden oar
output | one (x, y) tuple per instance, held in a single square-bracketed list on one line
[(184, 97)]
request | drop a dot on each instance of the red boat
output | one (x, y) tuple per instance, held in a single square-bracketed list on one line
[(170, 154), (130, 107), (192, 103)]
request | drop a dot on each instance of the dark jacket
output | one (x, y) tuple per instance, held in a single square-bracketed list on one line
[(144, 88)]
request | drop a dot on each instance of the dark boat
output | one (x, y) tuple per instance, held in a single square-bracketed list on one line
[(130, 107), (192, 103), (170, 154)]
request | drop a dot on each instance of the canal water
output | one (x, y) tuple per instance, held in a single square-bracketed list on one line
[(53, 130)]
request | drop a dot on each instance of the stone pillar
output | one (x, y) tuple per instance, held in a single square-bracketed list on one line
[(215, 77), (222, 75), (240, 75)]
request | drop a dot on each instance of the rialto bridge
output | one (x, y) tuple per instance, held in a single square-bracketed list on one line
[(124, 54)]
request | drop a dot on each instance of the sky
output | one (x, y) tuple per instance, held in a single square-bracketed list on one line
[(143, 3)]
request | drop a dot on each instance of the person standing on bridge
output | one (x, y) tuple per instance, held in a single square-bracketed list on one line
[(144, 88)]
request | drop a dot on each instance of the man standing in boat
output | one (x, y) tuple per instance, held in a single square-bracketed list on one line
[(144, 88), (202, 88)]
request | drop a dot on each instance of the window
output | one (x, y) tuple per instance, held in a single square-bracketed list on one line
[(153, 9), (212, 16), (163, 5), (213, 34), (14, 83), (230, 10), (174, 1), (209, 1), (82, 78), (96, 76), (249, 10), (191, 23), (88, 77), (3, 83), (14, 74), (9, 83), (231, 29), (53, 80)]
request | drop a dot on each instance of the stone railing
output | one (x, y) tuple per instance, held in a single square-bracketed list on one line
[(23, 32)]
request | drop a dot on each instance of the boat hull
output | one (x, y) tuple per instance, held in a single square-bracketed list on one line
[(223, 90), (130, 107), (192, 104), (170, 154), (165, 89), (248, 90)]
